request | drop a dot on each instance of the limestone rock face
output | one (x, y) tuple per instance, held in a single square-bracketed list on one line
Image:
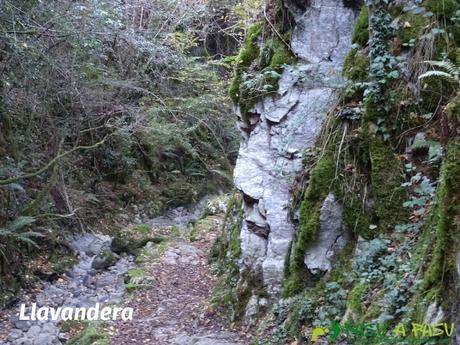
[(286, 124), (434, 314), (332, 237), (89, 244), (323, 32)]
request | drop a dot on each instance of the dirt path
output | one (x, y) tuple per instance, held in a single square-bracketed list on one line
[(176, 310)]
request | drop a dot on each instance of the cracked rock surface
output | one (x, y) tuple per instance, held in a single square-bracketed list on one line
[(271, 154)]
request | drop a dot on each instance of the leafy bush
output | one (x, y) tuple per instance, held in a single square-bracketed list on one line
[(374, 260)]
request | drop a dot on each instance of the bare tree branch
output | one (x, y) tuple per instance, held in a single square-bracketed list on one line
[(51, 163)]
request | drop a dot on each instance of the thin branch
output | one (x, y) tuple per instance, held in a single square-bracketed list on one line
[(51, 163), (288, 46)]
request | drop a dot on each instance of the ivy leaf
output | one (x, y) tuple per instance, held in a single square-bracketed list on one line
[(393, 74)]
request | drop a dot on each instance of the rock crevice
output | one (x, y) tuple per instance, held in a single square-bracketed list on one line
[(289, 122)]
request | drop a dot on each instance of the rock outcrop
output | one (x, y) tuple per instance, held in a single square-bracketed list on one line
[(271, 154), (332, 237)]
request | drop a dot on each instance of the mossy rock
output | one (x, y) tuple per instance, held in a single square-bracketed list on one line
[(355, 299), (151, 252), (358, 218), (386, 179), (234, 89), (130, 240), (282, 55), (271, 58), (104, 260), (372, 111), (321, 182), (206, 225), (356, 66), (137, 278), (361, 31), (434, 92), (453, 109), (442, 8), (180, 193), (442, 266), (411, 26), (228, 245), (250, 50), (91, 335), (62, 258), (64, 264)]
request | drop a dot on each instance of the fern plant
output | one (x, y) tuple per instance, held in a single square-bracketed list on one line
[(446, 70), (13, 235)]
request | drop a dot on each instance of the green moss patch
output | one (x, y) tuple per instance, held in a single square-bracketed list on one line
[(361, 31), (137, 278), (386, 178), (355, 299), (443, 257), (411, 26), (252, 80), (152, 251), (321, 180), (281, 55), (94, 334), (453, 109), (234, 90), (250, 50), (356, 66), (130, 240), (442, 8)]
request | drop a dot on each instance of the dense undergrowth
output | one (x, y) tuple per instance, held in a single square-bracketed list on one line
[(109, 111)]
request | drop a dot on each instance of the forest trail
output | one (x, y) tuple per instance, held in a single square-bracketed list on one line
[(177, 309), (171, 290)]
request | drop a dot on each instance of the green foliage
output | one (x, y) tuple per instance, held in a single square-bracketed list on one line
[(386, 177), (422, 194), (448, 209), (355, 298), (319, 185), (453, 109), (373, 262), (318, 307), (13, 235), (448, 71), (442, 8), (280, 54), (411, 26), (93, 334), (356, 66), (137, 278), (384, 69), (361, 31), (250, 50), (81, 71), (230, 295), (132, 239)]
